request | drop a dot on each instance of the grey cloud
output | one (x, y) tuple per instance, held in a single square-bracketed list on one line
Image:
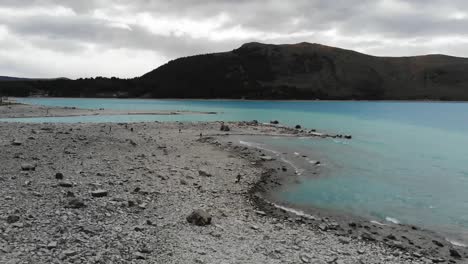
[(423, 19)]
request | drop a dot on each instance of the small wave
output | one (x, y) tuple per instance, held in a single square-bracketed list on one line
[(297, 153), (297, 170), (392, 220), (294, 211), (249, 144), (258, 146), (340, 142), (456, 243), (377, 223)]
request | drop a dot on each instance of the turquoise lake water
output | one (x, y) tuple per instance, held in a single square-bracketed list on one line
[(407, 161)]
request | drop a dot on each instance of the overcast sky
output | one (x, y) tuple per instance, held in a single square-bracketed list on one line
[(127, 38)]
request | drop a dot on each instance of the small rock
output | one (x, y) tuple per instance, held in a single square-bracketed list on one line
[(65, 184), (28, 167), (183, 182), (59, 176), (69, 253), (304, 258), (344, 240), (266, 158), (16, 143), (99, 193), (52, 245), (254, 227), (274, 122), (139, 228), (18, 225), (224, 128), (13, 219), (139, 255), (204, 173), (298, 127), (199, 217), (367, 236), (76, 203), (260, 213), (454, 253), (437, 243)]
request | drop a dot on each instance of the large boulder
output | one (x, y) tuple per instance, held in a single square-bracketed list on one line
[(199, 217)]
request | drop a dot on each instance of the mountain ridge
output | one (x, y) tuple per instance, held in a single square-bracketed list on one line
[(287, 71)]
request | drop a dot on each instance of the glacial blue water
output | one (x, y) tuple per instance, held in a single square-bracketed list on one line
[(407, 160)]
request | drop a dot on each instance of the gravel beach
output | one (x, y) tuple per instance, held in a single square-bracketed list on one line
[(160, 193)]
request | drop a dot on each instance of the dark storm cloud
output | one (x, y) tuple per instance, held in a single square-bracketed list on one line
[(171, 28)]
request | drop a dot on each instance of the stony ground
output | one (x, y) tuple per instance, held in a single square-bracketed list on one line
[(118, 193), (28, 111)]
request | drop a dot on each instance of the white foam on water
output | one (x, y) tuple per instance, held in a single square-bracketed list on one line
[(297, 170), (377, 223), (249, 144), (456, 243), (294, 211), (392, 220), (297, 153), (258, 146)]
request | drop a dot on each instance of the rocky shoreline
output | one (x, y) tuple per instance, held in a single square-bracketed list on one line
[(126, 193), (418, 242)]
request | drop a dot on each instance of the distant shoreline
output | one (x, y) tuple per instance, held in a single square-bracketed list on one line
[(250, 100)]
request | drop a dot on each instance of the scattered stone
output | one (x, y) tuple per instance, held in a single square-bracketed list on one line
[(99, 193), (262, 213), (348, 136), (368, 237), (274, 122), (454, 253), (59, 176), (298, 127), (266, 158), (139, 255), (344, 240), (199, 217), (69, 253), (28, 167), (438, 243), (12, 219), (224, 128), (65, 184), (18, 225), (139, 228), (204, 173), (254, 227), (183, 182), (76, 203), (304, 258), (52, 245), (16, 143)]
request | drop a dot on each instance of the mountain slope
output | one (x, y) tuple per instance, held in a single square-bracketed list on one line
[(307, 71), (265, 71)]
